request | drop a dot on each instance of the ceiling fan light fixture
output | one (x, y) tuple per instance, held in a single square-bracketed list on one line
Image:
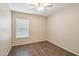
[(40, 8)]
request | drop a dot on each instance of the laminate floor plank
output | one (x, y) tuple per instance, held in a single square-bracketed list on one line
[(44, 48)]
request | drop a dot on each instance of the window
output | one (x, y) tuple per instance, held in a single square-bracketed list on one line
[(22, 28)]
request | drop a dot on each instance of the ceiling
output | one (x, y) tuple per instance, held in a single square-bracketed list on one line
[(25, 8)]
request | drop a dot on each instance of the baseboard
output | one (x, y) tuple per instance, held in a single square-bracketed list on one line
[(8, 51), (64, 48), (28, 43)]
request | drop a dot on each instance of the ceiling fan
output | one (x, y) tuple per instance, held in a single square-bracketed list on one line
[(41, 6)]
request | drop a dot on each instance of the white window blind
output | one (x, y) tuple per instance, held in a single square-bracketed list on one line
[(22, 28)]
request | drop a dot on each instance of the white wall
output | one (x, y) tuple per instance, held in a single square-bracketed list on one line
[(63, 28), (5, 30), (37, 28)]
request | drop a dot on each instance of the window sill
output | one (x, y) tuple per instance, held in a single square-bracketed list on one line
[(20, 37)]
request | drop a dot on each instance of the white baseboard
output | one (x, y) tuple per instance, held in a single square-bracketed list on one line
[(8, 51), (64, 48), (28, 43)]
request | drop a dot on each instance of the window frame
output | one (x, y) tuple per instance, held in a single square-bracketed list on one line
[(27, 29)]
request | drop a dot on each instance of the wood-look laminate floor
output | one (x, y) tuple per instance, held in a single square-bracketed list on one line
[(44, 48)]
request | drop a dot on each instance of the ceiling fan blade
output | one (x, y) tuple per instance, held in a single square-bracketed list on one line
[(49, 6)]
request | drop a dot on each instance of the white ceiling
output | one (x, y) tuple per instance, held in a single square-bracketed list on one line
[(23, 7)]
